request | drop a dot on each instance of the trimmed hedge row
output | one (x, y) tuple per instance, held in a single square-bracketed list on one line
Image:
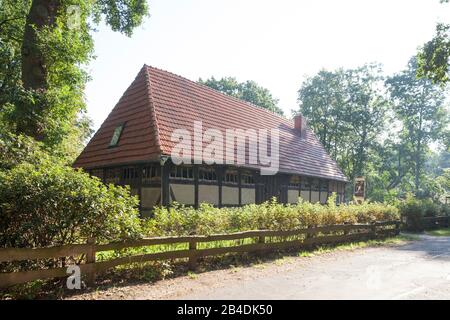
[(182, 220)]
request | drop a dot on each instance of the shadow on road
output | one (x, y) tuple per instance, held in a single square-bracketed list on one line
[(431, 246)]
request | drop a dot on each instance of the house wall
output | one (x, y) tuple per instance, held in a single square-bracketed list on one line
[(323, 197), (150, 197), (314, 196), (184, 193), (184, 190), (332, 186), (340, 192), (248, 195), (230, 195), (208, 194), (293, 196), (304, 194)]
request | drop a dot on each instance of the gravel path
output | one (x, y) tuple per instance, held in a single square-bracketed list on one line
[(416, 270)]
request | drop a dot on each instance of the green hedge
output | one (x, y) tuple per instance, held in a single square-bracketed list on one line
[(51, 204), (182, 220), (412, 211)]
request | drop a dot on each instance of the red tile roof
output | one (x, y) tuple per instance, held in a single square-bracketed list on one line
[(158, 102)]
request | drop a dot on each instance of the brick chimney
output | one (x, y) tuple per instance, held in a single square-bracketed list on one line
[(300, 125)]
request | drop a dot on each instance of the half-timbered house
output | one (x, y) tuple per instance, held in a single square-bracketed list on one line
[(134, 147)]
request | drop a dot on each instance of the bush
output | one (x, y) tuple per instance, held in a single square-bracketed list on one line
[(413, 211), (19, 149), (182, 220), (51, 204)]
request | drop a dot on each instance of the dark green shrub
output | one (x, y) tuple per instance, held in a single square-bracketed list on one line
[(19, 149), (430, 208), (413, 211), (445, 210), (50, 204)]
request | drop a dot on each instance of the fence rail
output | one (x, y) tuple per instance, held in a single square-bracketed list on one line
[(310, 237), (436, 222)]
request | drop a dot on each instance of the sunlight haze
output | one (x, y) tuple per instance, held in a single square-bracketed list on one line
[(275, 43)]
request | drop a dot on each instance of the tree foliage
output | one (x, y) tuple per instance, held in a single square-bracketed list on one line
[(346, 109), (381, 128), (248, 91), (433, 57), (419, 105), (44, 48)]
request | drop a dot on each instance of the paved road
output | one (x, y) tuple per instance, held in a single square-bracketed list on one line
[(417, 270)]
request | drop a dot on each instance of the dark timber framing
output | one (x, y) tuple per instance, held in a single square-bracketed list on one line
[(196, 186), (265, 187)]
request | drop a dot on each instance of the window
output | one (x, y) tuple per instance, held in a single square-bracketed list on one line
[(306, 183), (130, 173), (116, 135), (332, 187), (231, 177), (315, 185), (150, 174), (97, 173), (182, 173), (323, 185), (247, 179), (294, 182), (207, 174)]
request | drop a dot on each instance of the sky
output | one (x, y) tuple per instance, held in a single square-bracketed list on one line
[(275, 43)]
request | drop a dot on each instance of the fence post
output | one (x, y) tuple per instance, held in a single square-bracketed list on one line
[(193, 258), (261, 239), (373, 230), (309, 234), (397, 228), (90, 259)]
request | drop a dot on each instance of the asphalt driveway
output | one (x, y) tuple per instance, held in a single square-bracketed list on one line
[(416, 270)]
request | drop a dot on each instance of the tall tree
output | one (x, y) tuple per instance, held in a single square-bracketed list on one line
[(367, 107), (248, 91), (419, 105), (433, 58), (346, 109), (45, 45), (323, 100), (12, 20)]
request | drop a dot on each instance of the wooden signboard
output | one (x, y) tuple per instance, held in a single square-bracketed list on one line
[(360, 189)]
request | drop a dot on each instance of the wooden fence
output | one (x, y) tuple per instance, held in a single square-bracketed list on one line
[(436, 222), (262, 240)]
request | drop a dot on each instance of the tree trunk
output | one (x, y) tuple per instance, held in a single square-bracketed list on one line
[(418, 166), (419, 151), (34, 72), (43, 13)]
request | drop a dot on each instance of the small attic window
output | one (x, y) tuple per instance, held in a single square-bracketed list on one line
[(116, 135)]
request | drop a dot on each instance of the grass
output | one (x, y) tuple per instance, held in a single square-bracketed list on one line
[(445, 232), (281, 261)]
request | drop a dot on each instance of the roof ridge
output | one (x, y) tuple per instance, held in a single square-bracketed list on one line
[(152, 109), (224, 94)]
